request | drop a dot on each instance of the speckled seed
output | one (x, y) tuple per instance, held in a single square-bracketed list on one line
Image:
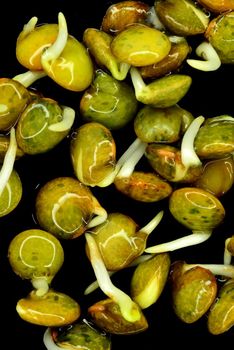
[(11, 195), (32, 131), (221, 314), (106, 315), (14, 98), (160, 124), (144, 187), (93, 153), (172, 62), (54, 309), (193, 292), (220, 35), (82, 335), (35, 253), (166, 91), (196, 209), (140, 45), (64, 206), (215, 139), (181, 17)]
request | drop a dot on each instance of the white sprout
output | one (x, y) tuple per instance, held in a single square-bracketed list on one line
[(8, 162), (119, 70), (227, 257), (138, 82), (152, 18), (29, 77), (196, 237), (212, 61), (216, 269), (189, 157), (147, 229), (140, 259), (101, 216), (127, 162), (29, 27), (67, 121), (49, 342), (41, 285), (129, 309), (55, 50)]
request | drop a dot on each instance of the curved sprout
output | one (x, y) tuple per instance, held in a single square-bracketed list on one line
[(29, 77), (29, 27), (140, 259), (147, 229), (153, 19), (137, 81), (55, 50), (9, 159), (49, 342), (188, 155), (127, 162), (101, 216), (190, 240), (67, 121), (128, 307), (41, 285), (227, 257), (119, 70), (212, 61)]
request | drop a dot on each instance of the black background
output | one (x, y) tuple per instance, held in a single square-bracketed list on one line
[(211, 94)]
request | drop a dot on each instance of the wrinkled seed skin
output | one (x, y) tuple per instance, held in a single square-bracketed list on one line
[(107, 316), (54, 309), (143, 187), (196, 209), (220, 34), (171, 63), (217, 5), (14, 98), (215, 139), (180, 18), (192, 291), (122, 14), (32, 133), (140, 45), (29, 47), (35, 253), (166, 91), (73, 212), (221, 314), (11, 195), (81, 334)]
